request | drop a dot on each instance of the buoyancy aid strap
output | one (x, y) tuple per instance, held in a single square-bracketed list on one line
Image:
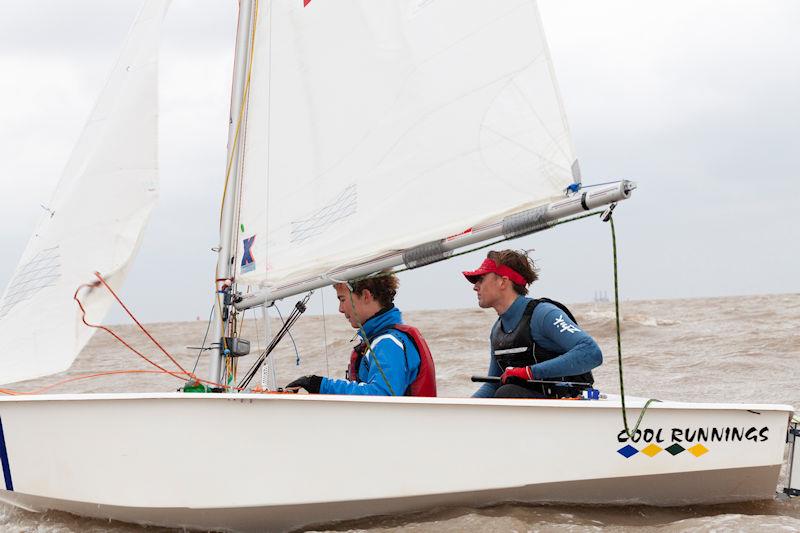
[(355, 361), (539, 351), (362, 350), (557, 304), (425, 382)]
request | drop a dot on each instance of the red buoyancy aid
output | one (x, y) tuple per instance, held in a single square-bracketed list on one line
[(425, 382)]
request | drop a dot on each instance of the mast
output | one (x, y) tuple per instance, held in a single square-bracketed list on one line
[(227, 242)]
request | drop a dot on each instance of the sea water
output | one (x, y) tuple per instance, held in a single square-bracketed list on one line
[(743, 349)]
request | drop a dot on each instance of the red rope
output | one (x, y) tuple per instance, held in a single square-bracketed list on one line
[(110, 332), (11, 392), (141, 327), (161, 370), (144, 330)]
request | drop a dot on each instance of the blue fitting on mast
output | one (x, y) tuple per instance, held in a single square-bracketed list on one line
[(572, 188)]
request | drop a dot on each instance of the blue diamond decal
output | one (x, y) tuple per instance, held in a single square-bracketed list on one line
[(628, 451)]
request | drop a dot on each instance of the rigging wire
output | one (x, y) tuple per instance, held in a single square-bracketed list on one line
[(324, 333), (258, 337), (269, 380), (298, 310), (291, 337), (205, 337)]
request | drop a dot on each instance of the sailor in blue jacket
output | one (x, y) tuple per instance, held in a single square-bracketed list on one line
[(532, 339), (387, 362)]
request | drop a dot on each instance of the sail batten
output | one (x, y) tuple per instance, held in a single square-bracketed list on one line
[(95, 219)]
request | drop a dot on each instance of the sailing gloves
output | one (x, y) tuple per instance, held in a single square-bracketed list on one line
[(309, 383), (516, 373)]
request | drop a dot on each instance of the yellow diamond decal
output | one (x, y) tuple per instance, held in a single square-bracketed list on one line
[(651, 450), (697, 450)]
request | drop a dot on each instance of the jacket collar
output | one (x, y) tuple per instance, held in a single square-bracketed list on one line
[(381, 321), (514, 313)]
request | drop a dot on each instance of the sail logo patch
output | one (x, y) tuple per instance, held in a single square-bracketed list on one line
[(248, 263)]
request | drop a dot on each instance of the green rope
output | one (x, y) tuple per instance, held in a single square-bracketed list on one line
[(485, 245), (628, 432), (496, 241), (369, 345)]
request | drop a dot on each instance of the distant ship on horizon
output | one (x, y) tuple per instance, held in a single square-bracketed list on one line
[(600, 296)]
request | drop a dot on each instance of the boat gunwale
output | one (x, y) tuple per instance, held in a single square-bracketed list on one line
[(611, 403)]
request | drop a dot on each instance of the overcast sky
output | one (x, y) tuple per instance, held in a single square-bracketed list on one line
[(695, 100)]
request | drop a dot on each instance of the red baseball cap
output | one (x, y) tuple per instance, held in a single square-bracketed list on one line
[(489, 266)]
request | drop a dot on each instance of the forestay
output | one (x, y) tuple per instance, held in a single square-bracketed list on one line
[(94, 220), (374, 126)]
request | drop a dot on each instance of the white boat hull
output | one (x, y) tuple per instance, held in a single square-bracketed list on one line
[(278, 462)]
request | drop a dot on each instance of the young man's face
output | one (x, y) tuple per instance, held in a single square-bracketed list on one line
[(352, 306), (489, 288)]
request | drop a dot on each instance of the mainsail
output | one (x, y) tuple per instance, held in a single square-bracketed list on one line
[(376, 126), (95, 218)]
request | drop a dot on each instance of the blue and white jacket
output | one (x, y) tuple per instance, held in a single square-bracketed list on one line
[(396, 354)]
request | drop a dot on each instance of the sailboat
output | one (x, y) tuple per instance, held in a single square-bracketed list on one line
[(364, 136)]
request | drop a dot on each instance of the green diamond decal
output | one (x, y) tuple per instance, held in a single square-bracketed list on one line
[(675, 449)]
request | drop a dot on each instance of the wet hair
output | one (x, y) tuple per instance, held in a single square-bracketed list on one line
[(518, 262), (382, 287)]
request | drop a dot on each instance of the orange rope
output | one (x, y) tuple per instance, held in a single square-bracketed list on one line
[(11, 392), (131, 348), (161, 370), (141, 327), (109, 331)]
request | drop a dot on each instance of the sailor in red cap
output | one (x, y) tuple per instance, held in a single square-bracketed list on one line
[(533, 340)]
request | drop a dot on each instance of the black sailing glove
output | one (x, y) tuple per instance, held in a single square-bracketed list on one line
[(309, 383)]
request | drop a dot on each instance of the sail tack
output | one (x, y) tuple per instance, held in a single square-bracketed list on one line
[(95, 218), (374, 126)]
